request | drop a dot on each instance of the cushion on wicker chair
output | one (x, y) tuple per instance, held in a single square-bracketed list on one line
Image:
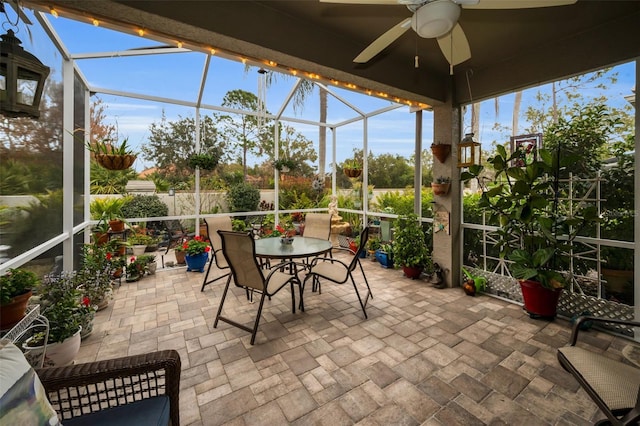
[(23, 400), (148, 412)]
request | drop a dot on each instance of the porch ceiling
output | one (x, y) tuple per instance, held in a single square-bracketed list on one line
[(510, 49)]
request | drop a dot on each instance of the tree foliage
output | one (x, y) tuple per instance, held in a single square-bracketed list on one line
[(172, 143), (242, 131)]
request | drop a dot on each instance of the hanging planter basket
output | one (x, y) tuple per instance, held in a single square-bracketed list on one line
[(352, 173), (115, 162), (441, 151)]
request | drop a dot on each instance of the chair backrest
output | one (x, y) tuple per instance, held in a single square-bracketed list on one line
[(239, 248), (215, 224), (364, 236), (317, 225)]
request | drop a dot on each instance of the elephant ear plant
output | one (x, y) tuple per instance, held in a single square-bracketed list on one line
[(536, 228)]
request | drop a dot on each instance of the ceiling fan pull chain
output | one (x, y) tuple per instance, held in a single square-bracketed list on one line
[(416, 62)]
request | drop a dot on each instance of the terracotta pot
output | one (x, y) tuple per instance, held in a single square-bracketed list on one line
[(14, 311), (412, 272), (116, 225), (441, 151), (101, 238), (539, 302), (440, 188), (180, 257)]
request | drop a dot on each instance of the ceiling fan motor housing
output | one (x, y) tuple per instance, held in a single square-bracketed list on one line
[(435, 19)]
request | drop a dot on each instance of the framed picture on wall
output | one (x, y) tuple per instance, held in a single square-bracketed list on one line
[(527, 148)]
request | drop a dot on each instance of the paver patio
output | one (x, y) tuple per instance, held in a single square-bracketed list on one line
[(424, 356)]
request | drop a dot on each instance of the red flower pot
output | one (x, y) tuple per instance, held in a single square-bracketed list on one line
[(412, 272), (539, 301)]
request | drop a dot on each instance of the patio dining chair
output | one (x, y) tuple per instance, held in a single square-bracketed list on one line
[(215, 224), (239, 248), (339, 272), (317, 225), (613, 385)]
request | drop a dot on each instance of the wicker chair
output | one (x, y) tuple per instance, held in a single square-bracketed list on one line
[(613, 385), (239, 248), (339, 272), (80, 390), (213, 225)]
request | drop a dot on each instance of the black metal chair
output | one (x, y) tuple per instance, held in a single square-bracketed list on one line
[(175, 233), (239, 249), (613, 385), (339, 272)]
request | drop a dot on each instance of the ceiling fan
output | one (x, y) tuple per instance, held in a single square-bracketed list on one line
[(439, 19)]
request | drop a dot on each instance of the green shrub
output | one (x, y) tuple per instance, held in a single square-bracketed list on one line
[(145, 206), (243, 197)]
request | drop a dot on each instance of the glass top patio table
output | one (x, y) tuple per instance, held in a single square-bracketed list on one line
[(301, 247)]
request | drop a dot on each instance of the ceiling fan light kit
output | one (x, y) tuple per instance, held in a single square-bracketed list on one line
[(435, 19)]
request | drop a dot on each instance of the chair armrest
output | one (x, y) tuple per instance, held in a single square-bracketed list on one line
[(327, 259), (576, 326), (85, 388)]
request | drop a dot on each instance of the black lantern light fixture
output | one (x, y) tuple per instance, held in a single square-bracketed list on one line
[(469, 151), (22, 78)]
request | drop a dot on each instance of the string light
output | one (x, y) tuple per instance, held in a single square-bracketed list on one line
[(313, 76)]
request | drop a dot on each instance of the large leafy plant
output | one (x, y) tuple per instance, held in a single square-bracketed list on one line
[(536, 230), (409, 246)]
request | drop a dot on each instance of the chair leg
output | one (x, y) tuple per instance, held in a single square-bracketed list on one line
[(370, 294), (224, 296), (255, 325), (362, 305)]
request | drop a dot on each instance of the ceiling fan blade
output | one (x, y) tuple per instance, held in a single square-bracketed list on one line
[(383, 41), (394, 2), (516, 4), (455, 46)]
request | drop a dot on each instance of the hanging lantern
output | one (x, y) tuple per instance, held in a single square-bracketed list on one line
[(22, 78), (469, 151)]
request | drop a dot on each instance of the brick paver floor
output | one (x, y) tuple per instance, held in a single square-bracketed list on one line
[(424, 357)]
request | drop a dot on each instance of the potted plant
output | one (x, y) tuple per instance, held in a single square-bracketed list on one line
[(15, 290), (138, 243), (284, 165), (352, 168), (409, 248), (524, 201), (150, 264), (440, 151), (197, 253), (61, 302), (372, 245), (203, 161), (441, 185), (109, 209), (94, 277), (111, 155), (384, 255)]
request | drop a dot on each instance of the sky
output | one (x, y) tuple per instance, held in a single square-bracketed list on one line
[(178, 76)]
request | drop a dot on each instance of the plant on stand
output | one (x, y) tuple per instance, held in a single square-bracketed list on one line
[(94, 277), (524, 201), (61, 302), (15, 290), (197, 253), (409, 248)]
